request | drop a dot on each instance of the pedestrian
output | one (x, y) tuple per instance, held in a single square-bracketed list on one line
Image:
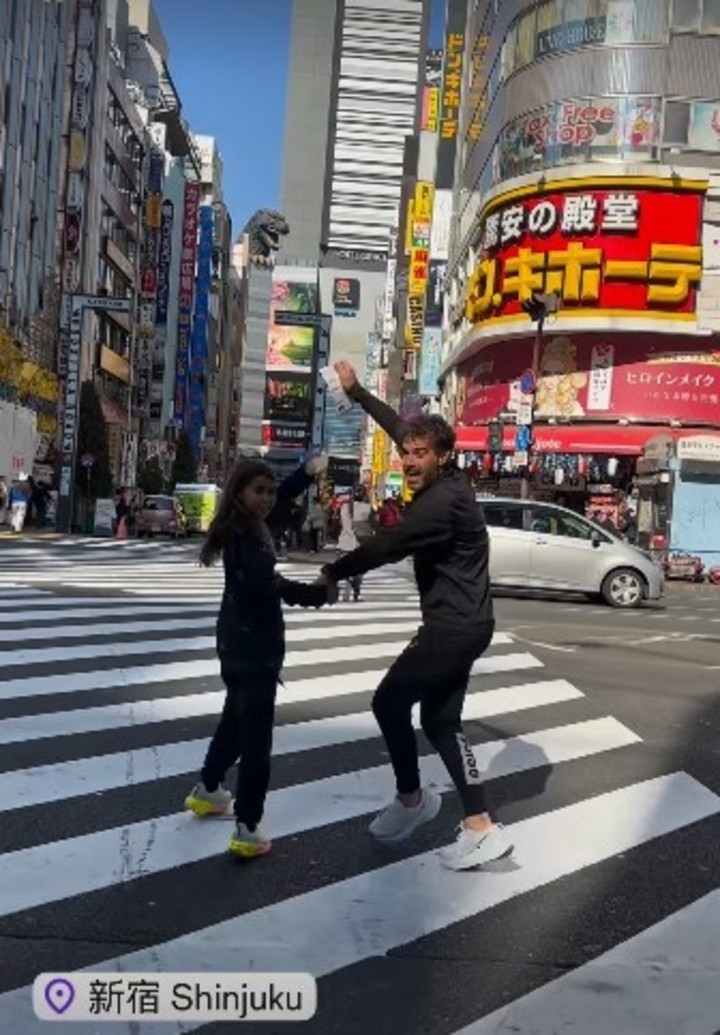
[(18, 506), (347, 542), (250, 644), (443, 529)]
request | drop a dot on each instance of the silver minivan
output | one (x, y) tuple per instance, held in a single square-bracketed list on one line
[(543, 546)]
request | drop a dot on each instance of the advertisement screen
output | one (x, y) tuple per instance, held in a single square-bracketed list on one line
[(287, 397), (289, 363)]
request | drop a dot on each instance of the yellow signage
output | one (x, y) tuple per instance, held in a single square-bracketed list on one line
[(432, 110), (424, 195), (379, 451), (415, 321), (578, 273), (452, 85)]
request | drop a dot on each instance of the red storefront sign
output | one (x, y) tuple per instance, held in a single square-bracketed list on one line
[(585, 377), (581, 438), (622, 247)]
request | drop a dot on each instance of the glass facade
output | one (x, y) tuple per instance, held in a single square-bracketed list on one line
[(573, 128)]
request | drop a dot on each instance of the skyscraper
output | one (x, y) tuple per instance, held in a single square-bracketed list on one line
[(354, 98), (353, 95)]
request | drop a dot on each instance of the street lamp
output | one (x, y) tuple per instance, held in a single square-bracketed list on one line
[(538, 307)]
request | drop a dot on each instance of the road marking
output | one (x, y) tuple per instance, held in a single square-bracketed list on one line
[(537, 643), (63, 780), (307, 633), (72, 682), (397, 904), (665, 979), (167, 709), (76, 865)]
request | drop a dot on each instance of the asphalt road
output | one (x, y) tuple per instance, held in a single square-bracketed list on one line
[(598, 732), (656, 668)]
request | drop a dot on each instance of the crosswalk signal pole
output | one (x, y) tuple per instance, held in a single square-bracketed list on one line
[(538, 308)]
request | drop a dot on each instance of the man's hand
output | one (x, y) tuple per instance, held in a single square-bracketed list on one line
[(324, 579), (316, 464), (346, 375)]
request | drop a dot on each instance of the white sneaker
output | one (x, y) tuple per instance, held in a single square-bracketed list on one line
[(209, 803), (472, 849), (398, 822)]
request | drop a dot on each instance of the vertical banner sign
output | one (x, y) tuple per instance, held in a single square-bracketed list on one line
[(71, 408), (198, 343), (388, 324), (83, 70), (451, 92), (164, 261), (185, 297), (419, 262), (430, 361)]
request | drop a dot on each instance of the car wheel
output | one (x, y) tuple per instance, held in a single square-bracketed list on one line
[(624, 588)]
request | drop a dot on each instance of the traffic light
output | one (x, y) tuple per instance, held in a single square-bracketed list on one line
[(495, 436)]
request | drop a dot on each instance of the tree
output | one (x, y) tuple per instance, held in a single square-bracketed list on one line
[(93, 440), (184, 468), (150, 478)]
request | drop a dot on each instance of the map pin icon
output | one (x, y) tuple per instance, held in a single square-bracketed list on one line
[(59, 995)]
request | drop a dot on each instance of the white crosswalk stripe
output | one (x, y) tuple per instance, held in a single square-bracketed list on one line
[(109, 692)]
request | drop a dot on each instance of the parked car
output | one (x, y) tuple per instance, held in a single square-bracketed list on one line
[(543, 546), (162, 515)]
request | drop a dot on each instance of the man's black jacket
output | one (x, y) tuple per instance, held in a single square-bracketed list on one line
[(444, 530)]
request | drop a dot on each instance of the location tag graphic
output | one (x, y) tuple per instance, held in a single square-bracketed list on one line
[(59, 995)]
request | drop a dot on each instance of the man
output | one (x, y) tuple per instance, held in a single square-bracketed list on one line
[(443, 529)]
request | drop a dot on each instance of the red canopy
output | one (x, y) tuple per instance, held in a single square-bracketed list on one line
[(613, 439)]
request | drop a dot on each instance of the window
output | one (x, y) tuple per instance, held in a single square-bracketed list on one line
[(503, 515), (631, 22), (677, 122), (548, 521), (686, 15), (710, 16)]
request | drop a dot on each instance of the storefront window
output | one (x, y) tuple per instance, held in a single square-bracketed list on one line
[(561, 25), (580, 130)]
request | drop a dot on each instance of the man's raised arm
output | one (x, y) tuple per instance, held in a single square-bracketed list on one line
[(380, 412)]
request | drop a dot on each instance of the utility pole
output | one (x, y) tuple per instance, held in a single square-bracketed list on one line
[(538, 308)]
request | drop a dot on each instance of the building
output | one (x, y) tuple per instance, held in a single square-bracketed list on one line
[(586, 183), (34, 47), (354, 97), (213, 345)]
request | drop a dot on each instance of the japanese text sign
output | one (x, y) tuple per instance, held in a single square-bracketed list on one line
[(600, 249)]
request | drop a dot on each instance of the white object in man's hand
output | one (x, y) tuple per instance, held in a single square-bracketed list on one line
[(316, 464), (346, 374)]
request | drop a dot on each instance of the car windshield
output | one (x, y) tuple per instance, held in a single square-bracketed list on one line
[(157, 503)]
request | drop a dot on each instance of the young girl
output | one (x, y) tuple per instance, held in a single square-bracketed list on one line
[(250, 644)]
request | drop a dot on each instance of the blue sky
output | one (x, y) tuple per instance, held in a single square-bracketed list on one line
[(229, 61)]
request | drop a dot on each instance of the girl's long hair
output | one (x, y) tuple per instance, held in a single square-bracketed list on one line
[(230, 511)]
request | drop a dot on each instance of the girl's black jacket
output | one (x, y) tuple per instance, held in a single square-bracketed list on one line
[(250, 625)]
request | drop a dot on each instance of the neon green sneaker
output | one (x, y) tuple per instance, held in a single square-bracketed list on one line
[(249, 843), (209, 803)]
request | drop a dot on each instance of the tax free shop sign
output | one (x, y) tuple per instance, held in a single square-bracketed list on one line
[(619, 247)]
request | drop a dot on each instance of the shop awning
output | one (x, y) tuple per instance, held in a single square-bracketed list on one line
[(610, 439)]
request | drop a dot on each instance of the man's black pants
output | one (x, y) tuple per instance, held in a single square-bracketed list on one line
[(244, 735), (434, 669)]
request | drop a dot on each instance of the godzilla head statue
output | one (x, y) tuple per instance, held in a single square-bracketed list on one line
[(265, 230)]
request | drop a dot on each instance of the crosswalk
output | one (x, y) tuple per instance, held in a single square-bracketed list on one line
[(109, 692)]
